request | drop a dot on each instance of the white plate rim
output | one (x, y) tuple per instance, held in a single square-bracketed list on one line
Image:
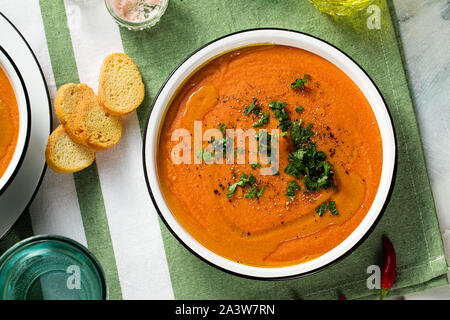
[(33, 166)]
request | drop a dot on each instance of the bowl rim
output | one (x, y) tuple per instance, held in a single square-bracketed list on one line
[(215, 264), (22, 151)]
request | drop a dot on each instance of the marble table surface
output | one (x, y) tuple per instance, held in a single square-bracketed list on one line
[(425, 31)]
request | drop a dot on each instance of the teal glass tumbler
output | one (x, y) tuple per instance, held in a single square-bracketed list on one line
[(49, 267)]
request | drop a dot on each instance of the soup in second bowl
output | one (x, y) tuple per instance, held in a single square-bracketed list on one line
[(9, 122)]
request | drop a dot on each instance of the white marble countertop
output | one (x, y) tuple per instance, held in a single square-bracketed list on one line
[(425, 31)]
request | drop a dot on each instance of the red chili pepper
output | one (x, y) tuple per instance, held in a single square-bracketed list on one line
[(389, 267), (342, 297)]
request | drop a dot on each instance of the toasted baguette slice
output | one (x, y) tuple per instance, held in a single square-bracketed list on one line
[(67, 102), (98, 129), (66, 156), (120, 89)]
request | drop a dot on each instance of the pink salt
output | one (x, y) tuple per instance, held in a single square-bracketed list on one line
[(136, 10)]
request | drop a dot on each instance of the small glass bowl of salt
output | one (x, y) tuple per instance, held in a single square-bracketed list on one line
[(136, 14)]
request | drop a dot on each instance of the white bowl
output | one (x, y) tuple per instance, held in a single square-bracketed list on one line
[(16, 80), (280, 37)]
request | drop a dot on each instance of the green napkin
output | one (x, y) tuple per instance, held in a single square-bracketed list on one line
[(410, 219)]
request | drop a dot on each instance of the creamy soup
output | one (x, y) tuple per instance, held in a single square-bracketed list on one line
[(9, 122), (301, 211)]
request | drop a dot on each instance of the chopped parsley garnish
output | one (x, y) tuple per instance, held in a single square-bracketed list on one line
[(243, 180), (300, 82), (263, 121), (265, 143), (332, 207), (260, 192), (254, 107), (305, 162), (277, 105), (255, 165), (292, 188), (251, 180), (321, 209), (251, 192), (300, 135), (280, 113), (246, 180), (310, 164), (205, 155), (324, 207), (220, 147)]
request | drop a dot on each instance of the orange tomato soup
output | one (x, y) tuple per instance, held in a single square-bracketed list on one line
[(9, 122), (273, 229)]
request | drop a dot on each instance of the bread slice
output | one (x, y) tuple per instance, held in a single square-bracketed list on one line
[(66, 156), (120, 89), (67, 102), (98, 129)]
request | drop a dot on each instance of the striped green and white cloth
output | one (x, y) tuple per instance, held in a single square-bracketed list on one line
[(107, 207)]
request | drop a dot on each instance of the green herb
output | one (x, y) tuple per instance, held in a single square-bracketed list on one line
[(321, 209), (306, 161), (309, 163), (292, 188), (255, 165), (232, 189), (300, 135), (283, 133), (277, 105), (205, 155), (220, 146), (251, 192), (222, 128), (244, 180), (300, 82), (263, 121), (264, 143), (280, 113), (324, 207), (261, 192), (332, 207), (299, 109), (251, 180), (254, 107)]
